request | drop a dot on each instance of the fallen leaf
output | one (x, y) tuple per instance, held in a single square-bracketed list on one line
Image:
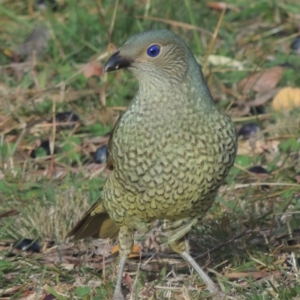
[(218, 60), (37, 42), (257, 146), (8, 53), (128, 281), (222, 6), (50, 297), (53, 292), (261, 99), (9, 213), (92, 68), (254, 275), (261, 82), (136, 250), (286, 99), (68, 267), (10, 291), (4, 89)]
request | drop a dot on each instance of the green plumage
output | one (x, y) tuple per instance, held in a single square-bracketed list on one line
[(170, 151)]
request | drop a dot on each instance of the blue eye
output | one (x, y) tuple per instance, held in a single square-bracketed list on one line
[(153, 50)]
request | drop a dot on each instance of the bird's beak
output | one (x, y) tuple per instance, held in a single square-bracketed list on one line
[(116, 61)]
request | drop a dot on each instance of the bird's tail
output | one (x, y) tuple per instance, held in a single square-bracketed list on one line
[(95, 223)]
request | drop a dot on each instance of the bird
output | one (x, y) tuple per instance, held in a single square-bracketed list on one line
[(168, 153)]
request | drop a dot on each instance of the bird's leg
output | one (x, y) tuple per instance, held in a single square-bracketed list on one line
[(125, 245), (118, 289), (182, 247), (211, 286), (177, 238)]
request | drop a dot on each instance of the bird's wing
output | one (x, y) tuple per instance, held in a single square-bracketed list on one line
[(95, 223), (110, 160)]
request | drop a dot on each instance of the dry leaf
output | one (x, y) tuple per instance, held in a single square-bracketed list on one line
[(255, 275), (128, 281), (221, 6), (261, 82), (287, 99), (92, 68), (257, 146), (9, 213), (136, 250), (4, 89), (37, 42), (8, 53), (218, 60)]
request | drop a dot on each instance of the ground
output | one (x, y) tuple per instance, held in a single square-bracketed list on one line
[(58, 106)]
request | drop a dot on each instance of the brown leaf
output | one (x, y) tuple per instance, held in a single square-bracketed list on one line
[(261, 99), (261, 82), (128, 281), (136, 250), (93, 68), (10, 291), (37, 42), (8, 53), (222, 6), (257, 146), (9, 213), (50, 297), (254, 275), (287, 99)]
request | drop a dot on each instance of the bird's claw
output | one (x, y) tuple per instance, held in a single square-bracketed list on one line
[(118, 296)]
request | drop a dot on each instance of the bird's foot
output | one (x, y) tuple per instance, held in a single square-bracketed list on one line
[(154, 240), (213, 288), (217, 294), (118, 295), (215, 291)]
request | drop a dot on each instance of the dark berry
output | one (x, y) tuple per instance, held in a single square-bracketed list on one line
[(257, 110), (66, 117), (42, 150), (44, 4), (100, 155), (248, 130), (27, 245), (258, 170), (295, 45)]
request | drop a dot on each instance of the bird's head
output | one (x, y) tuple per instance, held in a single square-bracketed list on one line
[(154, 56)]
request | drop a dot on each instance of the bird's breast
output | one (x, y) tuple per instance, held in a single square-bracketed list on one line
[(169, 165)]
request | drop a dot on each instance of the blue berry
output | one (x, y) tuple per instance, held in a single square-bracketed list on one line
[(100, 155), (258, 170), (27, 245), (295, 45), (248, 130)]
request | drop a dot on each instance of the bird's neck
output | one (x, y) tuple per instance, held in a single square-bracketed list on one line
[(165, 93), (198, 85)]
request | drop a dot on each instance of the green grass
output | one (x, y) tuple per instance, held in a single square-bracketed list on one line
[(249, 240)]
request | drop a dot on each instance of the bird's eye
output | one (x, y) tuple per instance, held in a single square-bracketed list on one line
[(153, 50)]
